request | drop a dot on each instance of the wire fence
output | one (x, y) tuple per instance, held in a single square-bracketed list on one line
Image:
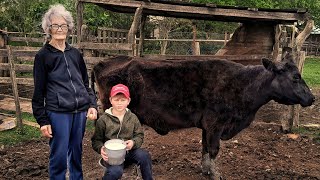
[(180, 43)]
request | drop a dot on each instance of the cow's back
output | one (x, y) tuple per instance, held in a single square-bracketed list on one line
[(162, 91)]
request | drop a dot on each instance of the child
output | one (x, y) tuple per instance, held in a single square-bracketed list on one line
[(118, 122)]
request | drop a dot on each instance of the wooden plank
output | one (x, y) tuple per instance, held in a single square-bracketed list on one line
[(201, 12), (216, 41), (24, 81), (118, 37), (18, 67), (106, 46), (18, 53), (113, 29), (107, 36), (25, 48), (122, 38), (99, 36), (27, 39), (26, 58)]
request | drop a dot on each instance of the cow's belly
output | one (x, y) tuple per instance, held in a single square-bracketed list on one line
[(163, 121), (235, 126)]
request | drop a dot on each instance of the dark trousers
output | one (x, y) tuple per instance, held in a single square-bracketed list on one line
[(140, 157), (66, 145)]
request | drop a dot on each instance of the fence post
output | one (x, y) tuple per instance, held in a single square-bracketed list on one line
[(3, 43), (134, 28), (15, 89)]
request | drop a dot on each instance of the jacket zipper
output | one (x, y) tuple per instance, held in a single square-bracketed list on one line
[(120, 127), (74, 88)]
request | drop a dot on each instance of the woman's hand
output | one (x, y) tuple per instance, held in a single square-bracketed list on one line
[(103, 154), (46, 131), (129, 144), (92, 114)]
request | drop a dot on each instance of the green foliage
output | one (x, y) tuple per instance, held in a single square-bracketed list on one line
[(96, 16), (26, 16), (311, 73)]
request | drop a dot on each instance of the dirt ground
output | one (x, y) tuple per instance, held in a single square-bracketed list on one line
[(261, 151)]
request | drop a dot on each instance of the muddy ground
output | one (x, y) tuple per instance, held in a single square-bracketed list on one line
[(261, 151)]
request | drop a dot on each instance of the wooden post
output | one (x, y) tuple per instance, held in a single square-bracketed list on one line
[(134, 29), (85, 38), (3, 43), (296, 108), (194, 37), (15, 89), (142, 35), (195, 45), (290, 117), (79, 21), (226, 37), (276, 46)]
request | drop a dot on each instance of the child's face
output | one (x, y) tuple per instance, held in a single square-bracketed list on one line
[(119, 102)]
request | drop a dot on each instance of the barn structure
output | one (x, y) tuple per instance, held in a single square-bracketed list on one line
[(262, 33)]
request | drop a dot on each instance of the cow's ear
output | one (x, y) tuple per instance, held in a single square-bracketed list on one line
[(269, 65)]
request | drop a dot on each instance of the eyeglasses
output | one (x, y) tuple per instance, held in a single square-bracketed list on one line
[(63, 27)]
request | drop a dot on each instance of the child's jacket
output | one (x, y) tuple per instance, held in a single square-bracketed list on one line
[(109, 127)]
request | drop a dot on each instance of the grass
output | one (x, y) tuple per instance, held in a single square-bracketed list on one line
[(311, 74), (313, 134), (14, 136)]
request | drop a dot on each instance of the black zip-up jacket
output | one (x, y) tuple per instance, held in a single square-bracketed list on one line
[(60, 83)]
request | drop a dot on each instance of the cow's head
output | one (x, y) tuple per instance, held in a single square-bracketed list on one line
[(287, 86)]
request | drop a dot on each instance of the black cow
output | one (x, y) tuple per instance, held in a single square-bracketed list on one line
[(220, 97)]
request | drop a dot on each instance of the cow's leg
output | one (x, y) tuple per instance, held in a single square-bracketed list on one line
[(205, 154), (213, 145)]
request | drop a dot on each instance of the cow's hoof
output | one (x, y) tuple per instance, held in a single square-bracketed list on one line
[(205, 164), (216, 178), (214, 171)]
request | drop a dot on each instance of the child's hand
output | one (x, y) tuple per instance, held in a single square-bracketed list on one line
[(129, 144), (103, 154)]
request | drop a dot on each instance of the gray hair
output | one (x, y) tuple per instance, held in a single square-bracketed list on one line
[(56, 10)]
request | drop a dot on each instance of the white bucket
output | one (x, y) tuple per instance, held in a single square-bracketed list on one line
[(116, 151)]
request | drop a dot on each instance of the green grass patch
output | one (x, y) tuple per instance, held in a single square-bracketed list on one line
[(14, 136), (311, 72), (314, 134)]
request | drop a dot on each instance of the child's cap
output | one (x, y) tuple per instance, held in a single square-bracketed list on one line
[(120, 88)]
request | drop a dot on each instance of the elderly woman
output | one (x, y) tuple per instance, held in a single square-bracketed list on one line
[(62, 99)]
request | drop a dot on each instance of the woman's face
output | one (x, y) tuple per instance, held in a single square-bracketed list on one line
[(58, 28)]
